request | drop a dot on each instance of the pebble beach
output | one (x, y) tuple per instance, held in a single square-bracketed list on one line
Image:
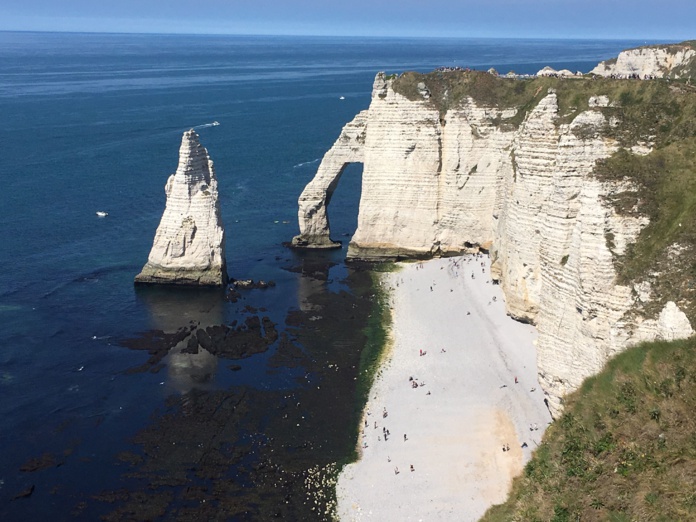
[(455, 410)]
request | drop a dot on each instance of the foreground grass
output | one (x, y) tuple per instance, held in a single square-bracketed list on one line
[(625, 448)]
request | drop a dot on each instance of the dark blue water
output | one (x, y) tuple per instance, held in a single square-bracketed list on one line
[(93, 123)]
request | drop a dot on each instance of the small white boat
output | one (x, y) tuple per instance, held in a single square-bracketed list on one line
[(342, 98), (215, 123), (101, 213)]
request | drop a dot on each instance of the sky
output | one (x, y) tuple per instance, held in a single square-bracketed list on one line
[(673, 20)]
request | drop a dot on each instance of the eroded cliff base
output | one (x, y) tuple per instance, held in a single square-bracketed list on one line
[(157, 275)]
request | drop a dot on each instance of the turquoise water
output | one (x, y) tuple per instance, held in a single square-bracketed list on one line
[(93, 123)]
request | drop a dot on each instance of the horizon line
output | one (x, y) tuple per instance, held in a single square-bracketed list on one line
[(290, 35)]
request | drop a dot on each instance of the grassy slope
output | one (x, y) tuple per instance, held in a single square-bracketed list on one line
[(625, 448)]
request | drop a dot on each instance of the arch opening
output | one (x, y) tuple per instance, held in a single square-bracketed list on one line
[(342, 205)]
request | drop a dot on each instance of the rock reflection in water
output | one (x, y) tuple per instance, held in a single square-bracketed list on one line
[(174, 308), (316, 271), (188, 371)]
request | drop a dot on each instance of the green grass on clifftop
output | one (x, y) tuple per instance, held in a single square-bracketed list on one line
[(625, 448)]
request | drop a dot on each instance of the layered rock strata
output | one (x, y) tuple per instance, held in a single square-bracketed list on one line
[(447, 182), (656, 61), (189, 245)]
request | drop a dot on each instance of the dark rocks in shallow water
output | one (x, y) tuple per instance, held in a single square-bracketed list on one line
[(38, 463), (191, 345), (288, 354), (254, 336), (157, 343), (249, 284), (244, 283), (232, 295), (250, 452), (26, 492)]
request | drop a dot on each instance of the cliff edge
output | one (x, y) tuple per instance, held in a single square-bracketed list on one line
[(189, 245), (674, 61)]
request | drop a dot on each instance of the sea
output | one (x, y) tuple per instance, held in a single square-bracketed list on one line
[(103, 413)]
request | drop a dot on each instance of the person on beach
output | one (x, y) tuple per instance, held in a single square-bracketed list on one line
[(516, 381), (412, 468), (396, 470), (405, 437)]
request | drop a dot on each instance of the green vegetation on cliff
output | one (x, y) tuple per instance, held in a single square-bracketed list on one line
[(625, 448), (660, 186)]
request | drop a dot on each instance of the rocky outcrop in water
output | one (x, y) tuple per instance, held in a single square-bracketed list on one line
[(654, 61), (189, 245), (478, 176)]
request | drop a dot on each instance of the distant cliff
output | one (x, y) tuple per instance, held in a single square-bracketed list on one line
[(189, 245), (657, 61), (533, 172)]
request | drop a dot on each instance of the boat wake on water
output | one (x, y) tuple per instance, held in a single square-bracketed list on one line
[(305, 163), (206, 125)]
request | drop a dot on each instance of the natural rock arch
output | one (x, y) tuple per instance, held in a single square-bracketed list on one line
[(315, 198)]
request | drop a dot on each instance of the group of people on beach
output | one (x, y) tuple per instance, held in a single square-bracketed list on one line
[(455, 268)]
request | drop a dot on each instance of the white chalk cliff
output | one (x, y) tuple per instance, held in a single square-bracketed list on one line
[(189, 245), (659, 61), (446, 183)]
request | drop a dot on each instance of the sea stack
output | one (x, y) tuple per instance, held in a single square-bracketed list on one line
[(189, 246)]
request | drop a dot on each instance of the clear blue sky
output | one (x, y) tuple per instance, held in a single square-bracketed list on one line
[(650, 19)]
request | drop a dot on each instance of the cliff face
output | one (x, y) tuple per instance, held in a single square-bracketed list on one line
[(189, 245), (440, 181), (661, 61)]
